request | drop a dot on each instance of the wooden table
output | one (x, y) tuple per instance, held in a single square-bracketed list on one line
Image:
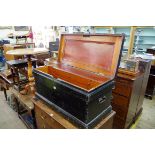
[(28, 52), (49, 118)]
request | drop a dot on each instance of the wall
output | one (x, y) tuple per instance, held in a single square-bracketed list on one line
[(4, 33)]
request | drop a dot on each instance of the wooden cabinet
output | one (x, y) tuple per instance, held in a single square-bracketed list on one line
[(47, 118), (125, 99), (128, 96)]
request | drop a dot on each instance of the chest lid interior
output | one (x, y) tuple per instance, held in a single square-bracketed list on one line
[(97, 53)]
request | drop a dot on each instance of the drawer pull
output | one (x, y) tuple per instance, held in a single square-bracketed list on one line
[(102, 99)]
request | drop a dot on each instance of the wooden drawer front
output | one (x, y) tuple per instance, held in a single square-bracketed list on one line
[(122, 89), (123, 81), (46, 121), (120, 100), (120, 111), (118, 123)]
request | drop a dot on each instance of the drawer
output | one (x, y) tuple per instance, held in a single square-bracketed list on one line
[(120, 100), (120, 111), (118, 123), (123, 81), (122, 89), (44, 120)]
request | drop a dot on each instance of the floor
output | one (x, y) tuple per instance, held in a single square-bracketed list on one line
[(147, 119), (9, 119)]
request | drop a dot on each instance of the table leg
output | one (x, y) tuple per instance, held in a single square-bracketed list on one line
[(30, 75), (29, 68), (29, 88), (17, 106), (34, 118), (17, 76), (5, 93)]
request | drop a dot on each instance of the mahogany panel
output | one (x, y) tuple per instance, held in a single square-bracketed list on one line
[(120, 100), (90, 53), (96, 53), (122, 89), (118, 122), (120, 111)]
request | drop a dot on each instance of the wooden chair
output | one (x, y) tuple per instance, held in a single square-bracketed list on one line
[(8, 47)]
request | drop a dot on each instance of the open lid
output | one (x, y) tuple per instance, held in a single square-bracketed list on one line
[(98, 53)]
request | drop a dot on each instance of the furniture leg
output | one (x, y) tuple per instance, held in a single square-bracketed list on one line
[(30, 75), (17, 106), (12, 72), (5, 93), (17, 76), (34, 119)]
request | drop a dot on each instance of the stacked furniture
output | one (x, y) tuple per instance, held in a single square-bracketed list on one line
[(79, 84)]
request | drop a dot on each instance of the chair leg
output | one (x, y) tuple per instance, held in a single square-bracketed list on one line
[(13, 77)]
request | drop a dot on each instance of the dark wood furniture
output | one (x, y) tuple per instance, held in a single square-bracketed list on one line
[(20, 66), (128, 96), (151, 82), (25, 108), (48, 118), (41, 58)]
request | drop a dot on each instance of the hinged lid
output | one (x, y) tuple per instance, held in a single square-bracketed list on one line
[(98, 53)]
